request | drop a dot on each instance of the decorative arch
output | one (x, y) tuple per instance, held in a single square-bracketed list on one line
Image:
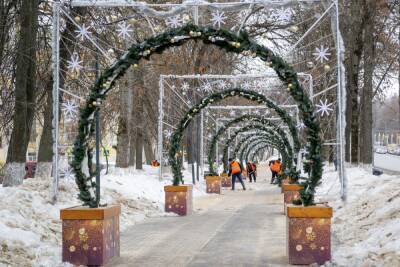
[(271, 143), (227, 40), (254, 118), (258, 150), (243, 143), (245, 129)]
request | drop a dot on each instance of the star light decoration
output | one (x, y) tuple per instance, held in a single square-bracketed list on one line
[(68, 174), (322, 54), (218, 18), (124, 30), (82, 32), (282, 15), (168, 133), (174, 21), (70, 109), (223, 84), (301, 125), (207, 87), (324, 107), (74, 64)]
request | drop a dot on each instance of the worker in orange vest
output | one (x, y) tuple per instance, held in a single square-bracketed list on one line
[(235, 169), (251, 171), (275, 169)]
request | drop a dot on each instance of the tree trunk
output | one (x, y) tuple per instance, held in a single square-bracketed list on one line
[(45, 154), (139, 119), (354, 44), (148, 148), (367, 93), (24, 94)]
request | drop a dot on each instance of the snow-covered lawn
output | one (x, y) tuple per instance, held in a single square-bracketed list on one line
[(366, 228), (30, 228)]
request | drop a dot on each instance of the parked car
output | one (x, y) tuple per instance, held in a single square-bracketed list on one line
[(30, 168)]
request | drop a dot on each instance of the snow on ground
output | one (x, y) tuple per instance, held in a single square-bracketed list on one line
[(30, 228), (366, 228)]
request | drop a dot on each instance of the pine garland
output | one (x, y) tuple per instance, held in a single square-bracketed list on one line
[(256, 119), (230, 42)]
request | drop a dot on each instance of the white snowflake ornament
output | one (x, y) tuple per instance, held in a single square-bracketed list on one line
[(223, 84), (82, 32), (74, 64), (174, 21), (324, 107), (301, 126), (185, 86), (168, 133), (322, 54), (246, 85), (124, 30), (232, 113), (68, 174), (218, 18), (70, 109), (207, 88)]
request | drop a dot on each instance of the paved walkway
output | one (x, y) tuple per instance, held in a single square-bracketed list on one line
[(240, 228)]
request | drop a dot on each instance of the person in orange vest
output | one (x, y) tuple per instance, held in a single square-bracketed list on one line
[(251, 171), (275, 169), (235, 169)]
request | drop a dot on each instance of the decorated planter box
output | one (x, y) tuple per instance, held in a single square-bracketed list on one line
[(309, 234), (284, 181), (226, 181), (90, 236), (213, 184), (290, 192), (179, 199)]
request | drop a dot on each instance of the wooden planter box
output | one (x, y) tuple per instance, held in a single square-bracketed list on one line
[(309, 234), (213, 184), (90, 236), (179, 199), (290, 192), (226, 181), (284, 181)]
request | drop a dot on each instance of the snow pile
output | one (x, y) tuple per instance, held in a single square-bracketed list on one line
[(30, 228), (366, 228)]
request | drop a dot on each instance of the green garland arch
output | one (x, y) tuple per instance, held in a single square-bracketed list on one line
[(252, 118), (245, 142), (273, 138), (224, 39), (233, 136), (285, 157)]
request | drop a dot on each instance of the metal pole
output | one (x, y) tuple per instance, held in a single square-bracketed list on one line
[(160, 127), (56, 85), (201, 160), (98, 137), (341, 98)]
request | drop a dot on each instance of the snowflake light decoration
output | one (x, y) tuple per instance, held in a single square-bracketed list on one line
[(301, 125), (74, 64), (246, 85), (282, 14), (174, 21), (124, 30), (168, 133), (223, 84), (70, 109), (218, 18), (322, 54), (232, 113), (185, 86), (207, 87), (324, 107), (68, 174), (82, 32)]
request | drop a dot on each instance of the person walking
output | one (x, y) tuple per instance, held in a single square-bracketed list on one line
[(251, 171), (255, 171), (275, 169), (235, 169)]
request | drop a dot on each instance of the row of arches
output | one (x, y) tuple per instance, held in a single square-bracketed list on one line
[(230, 42)]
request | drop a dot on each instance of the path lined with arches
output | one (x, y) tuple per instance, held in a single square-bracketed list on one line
[(241, 228)]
